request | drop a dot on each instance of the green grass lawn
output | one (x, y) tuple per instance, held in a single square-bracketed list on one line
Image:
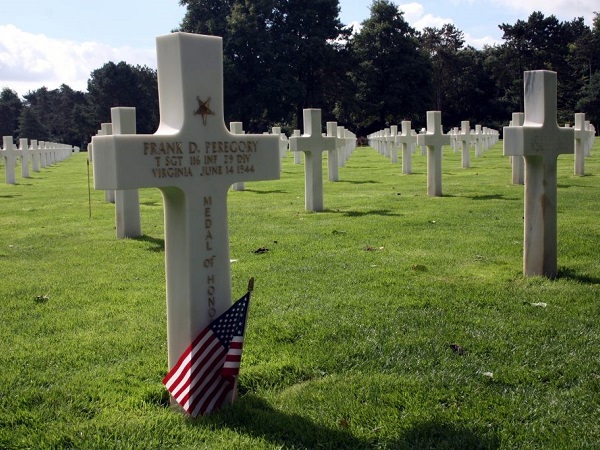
[(352, 323)]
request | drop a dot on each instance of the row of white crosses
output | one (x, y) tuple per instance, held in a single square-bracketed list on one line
[(192, 129), (584, 133), (337, 142), (345, 145), (432, 140), (41, 154), (463, 138)]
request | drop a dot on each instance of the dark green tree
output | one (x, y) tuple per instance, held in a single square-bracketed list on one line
[(30, 126), (443, 46), (540, 43), (63, 113), (122, 84), (392, 74), (10, 110), (280, 56), (589, 101)]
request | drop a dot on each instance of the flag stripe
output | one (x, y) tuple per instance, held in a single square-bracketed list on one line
[(197, 366), (205, 374)]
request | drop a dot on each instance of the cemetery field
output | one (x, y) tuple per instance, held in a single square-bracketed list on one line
[(391, 320)]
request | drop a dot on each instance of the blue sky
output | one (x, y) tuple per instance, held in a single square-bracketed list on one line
[(47, 43)]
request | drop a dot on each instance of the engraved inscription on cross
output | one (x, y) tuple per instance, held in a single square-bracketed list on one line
[(193, 159), (434, 140), (540, 140), (313, 144)]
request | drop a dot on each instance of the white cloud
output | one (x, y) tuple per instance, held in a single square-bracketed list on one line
[(480, 42), (414, 14), (412, 11), (29, 61), (562, 9)]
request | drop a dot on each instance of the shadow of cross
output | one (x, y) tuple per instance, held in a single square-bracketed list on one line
[(313, 144), (540, 140), (434, 140), (193, 164)]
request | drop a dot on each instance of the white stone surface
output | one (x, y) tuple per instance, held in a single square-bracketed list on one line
[(193, 159), (127, 201), (312, 144), (434, 139), (580, 137), (540, 141), (518, 163), (464, 138), (9, 154), (406, 140), (332, 155), (237, 128)]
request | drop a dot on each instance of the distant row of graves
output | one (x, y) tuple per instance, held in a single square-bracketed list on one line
[(194, 160), (34, 154)]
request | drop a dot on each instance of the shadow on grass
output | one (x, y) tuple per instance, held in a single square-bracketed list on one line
[(570, 274), (11, 196), (274, 191), (491, 197), (151, 203), (157, 245), (359, 182), (254, 416), (375, 212)]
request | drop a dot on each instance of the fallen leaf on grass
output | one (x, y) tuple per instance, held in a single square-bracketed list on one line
[(260, 250), (540, 304), (344, 423), (457, 349)]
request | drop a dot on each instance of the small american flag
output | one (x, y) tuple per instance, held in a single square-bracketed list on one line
[(206, 372)]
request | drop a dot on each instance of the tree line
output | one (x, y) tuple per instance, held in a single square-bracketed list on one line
[(281, 56)]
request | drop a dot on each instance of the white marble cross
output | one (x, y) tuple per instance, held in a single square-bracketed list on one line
[(464, 137), (313, 144), (540, 141), (10, 159), (332, 155), (406, 140), (127, 201), (434, 139), (518, 163), (580, 137), (193, 159), (35, 156), (297, 155), (25, 153), (392, 144)]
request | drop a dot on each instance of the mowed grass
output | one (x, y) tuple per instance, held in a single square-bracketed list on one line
[(354, 326)]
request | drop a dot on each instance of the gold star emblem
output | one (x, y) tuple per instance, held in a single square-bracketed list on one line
[(204, 109)]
